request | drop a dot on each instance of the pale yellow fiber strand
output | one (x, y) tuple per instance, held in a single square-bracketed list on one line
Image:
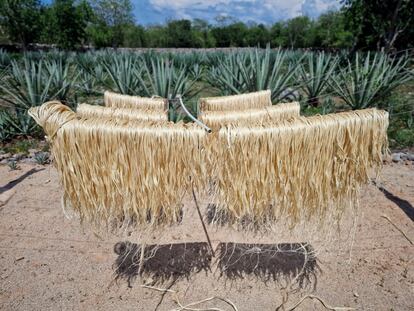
[(116, 170), (218, 119), (295, 169), (119, 171), (94, 111), (126, 101), (236, 102)]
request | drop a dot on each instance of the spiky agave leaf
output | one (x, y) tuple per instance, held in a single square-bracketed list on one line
[(122, 70), (61, 78), (27, 85), (363, 82), (314, 74), (252, 71), (163, 78), (17, 123)]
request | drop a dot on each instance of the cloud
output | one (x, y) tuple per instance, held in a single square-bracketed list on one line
[(261, 11), (314, 8)]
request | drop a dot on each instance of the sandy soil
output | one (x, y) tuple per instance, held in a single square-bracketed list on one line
[(50, 262)]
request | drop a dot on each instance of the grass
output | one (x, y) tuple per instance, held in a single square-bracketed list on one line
[(23, 145)]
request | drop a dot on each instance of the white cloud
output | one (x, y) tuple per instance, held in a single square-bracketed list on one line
[(258, 10)]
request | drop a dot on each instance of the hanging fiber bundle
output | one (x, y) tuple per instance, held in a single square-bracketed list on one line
[(118, 171), (218, 119), (295, 169), (93, 111), (236, 102), (127, 101)]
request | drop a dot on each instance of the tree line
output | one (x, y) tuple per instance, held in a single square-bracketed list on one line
[(71, 24)]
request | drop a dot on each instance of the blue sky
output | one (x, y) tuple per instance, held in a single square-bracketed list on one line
[(149, 12)]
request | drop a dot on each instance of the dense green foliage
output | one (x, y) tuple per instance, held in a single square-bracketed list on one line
[(380, 24), (71, 24)]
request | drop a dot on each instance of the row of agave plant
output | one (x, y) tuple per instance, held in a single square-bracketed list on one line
[(316, 79)]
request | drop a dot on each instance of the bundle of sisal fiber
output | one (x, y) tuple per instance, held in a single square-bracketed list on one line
[(136, 172), (126, 101), (93, 111), (236, 102), (218, 119), (295, 169)]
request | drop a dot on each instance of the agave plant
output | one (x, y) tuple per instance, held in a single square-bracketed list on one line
[(89, 82), (15, 124), (122, 71), (163, 79), (4, 59), (27, 85), (61, 81), (364, 82), (227, 74), (254, 71), (92, 74), (314, 74)]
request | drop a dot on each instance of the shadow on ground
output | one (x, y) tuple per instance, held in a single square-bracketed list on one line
[(13, 183), (404, 205), (269, 262), (158, 264)]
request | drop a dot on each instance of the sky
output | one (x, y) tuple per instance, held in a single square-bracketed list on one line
[(148, 12)]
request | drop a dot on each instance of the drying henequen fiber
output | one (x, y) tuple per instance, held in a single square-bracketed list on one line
[(88, 111), (217, 119), (126, 101), (138, 172), (115, 170), (236, 102), (295, 169)]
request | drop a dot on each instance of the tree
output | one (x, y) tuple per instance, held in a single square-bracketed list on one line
[(21, 20), (113, 17), (331, 31), (231, 35), (278, 36), (179, 34), (66, 23), (134, 36), (258, 35), (378, 24), (299, 32), (156, 36), (202, 34)]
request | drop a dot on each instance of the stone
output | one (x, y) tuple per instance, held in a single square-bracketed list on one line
[(410, 156), (19, 156), (396, 157), (290, 94), (5, 156), (403, 156)]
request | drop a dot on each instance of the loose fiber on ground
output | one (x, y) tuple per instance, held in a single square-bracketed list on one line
[(295, 169), (217, 119), (119, 171), (236, 102), (126, 101), (88, 111)]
